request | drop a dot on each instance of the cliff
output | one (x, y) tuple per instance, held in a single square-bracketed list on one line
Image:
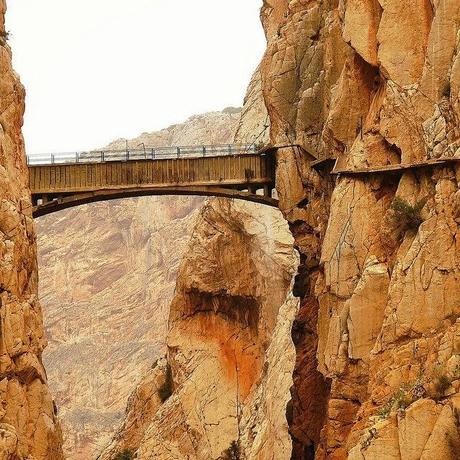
[(225, 384), (228, 336), (372, 84), (107, 277), (28, 424)]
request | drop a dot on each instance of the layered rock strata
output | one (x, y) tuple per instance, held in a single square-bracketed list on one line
[(28, 423)]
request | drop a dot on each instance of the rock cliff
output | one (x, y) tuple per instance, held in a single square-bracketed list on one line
[(107, 278), (230, 355), (371, 84), (228, 336), (28, 424)]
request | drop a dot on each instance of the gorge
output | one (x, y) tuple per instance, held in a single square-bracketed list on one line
[(327, 330)]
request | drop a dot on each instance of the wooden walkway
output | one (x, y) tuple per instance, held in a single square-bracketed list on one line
[(54, 187)]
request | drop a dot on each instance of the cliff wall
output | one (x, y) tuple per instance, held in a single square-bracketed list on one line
[(372, 84), (28, 424), (230, 355)]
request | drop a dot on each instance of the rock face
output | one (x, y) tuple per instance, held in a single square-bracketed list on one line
[(107, 278), (229, 348), (28, 424), (230, 353), (372, 84)]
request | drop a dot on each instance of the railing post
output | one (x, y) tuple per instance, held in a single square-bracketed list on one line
[(76, 157), (127, 155), (204, 150), (178, 152), (52, 159), (153, 154), (102, 157), (229, 149)]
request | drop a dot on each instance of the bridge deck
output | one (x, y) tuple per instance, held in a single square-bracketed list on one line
[(57, 186)]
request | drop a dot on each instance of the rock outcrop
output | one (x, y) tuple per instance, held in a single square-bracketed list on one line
[(230, 353), (372, 84), (107, 277), (229, 349), (28, 424)]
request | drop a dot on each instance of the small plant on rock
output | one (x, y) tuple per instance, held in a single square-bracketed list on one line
[(127, 454), (233, 452), (166, 389), (401, 399), (407, 216), (441, 385), (4, 36)]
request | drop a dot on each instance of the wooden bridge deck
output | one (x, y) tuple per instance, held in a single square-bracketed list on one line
[(249, 177)]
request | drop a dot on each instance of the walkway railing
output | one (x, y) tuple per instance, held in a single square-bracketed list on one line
[(146, 153)]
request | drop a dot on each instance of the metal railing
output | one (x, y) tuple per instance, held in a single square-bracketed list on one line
[(146, 153)]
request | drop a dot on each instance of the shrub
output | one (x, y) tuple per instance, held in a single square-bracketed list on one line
[(442, 384), (166, 390), (407, 216), (233, 452), (400, 400), (127, 454), (4, 36), (447, 89)]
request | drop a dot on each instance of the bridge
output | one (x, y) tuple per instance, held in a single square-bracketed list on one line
[(60, 181)]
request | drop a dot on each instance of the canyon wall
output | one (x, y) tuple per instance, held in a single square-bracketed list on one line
[(373, 84), (224, 387), (229, 348), (28, 424), (107, 277)]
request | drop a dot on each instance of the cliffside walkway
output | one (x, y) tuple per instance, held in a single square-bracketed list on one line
[(60, 181)]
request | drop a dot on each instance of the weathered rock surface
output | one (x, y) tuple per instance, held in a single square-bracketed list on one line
[(371, 83), (28, 424), (107, 278), (229, 346)]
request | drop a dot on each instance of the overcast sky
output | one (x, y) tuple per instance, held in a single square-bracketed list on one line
[(98, 70)]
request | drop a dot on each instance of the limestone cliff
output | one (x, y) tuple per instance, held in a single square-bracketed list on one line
[(230, 354), (107, 278), (28, 425), (228, 336), (372, 84)]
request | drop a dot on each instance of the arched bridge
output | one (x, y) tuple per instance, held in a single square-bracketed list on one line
[(61, 181)]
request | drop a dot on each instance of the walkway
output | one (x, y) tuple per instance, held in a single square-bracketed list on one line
[(60, 181)]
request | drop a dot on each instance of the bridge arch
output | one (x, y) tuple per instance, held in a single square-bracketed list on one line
[(64, 202), (113, 175)]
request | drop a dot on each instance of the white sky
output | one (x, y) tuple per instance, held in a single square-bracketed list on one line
[(98, 70)]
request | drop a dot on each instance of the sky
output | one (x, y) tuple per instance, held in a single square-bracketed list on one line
[(99, 70)]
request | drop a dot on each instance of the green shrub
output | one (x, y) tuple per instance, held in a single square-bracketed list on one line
[(407, 216), (442, 384), (166, 390), (127, 454), (400, 400), (447, 90), (4, 36), (233, 452)]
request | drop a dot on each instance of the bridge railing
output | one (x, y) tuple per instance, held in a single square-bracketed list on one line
[(146, 153)]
